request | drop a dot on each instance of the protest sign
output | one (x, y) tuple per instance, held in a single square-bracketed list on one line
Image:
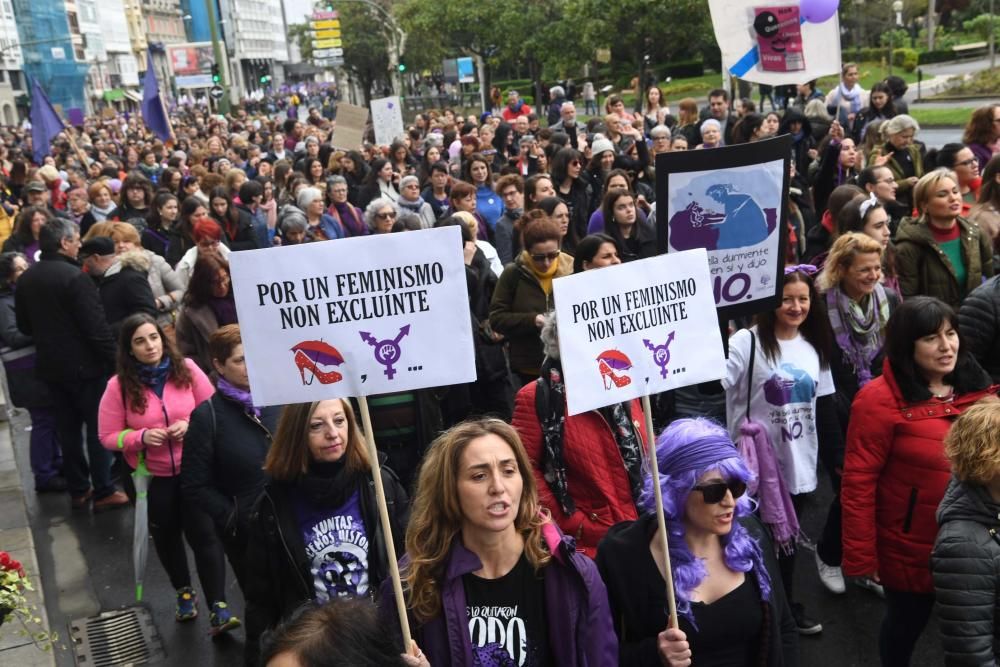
[(734, 203), (349, 132), (637, 329), (777, 43), (387, 117), (353, 317)]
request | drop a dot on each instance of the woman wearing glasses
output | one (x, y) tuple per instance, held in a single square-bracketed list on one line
[(524, 294), (380, 215), (727, 582), (960, 159)]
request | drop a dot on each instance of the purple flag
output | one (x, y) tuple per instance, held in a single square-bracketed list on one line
[(152, 108), (45, 122)]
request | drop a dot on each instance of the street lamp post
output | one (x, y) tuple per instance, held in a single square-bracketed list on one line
[(220, 57), (993, 39)]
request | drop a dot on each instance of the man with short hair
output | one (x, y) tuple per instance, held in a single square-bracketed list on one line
[(567, 123), (515, 107), (511, 191), (718, 108), (122, 281), (59, 307)]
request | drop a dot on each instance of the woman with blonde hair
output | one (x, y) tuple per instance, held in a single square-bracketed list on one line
[(967, 547), (315, 533), (940, 253), (480, 553)]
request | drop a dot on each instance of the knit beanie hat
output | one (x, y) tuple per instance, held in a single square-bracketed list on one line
[(601, 145)]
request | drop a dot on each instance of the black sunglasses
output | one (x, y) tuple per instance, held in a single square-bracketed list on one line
[(714, 493)]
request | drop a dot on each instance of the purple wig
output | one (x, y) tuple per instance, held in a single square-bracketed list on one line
[(685, 451)]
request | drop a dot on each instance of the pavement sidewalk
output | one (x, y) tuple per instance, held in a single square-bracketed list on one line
[(15, 538)]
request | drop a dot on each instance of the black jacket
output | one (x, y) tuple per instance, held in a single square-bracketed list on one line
[(638, 607), (58, 305), (125, 291), (243, 237), (965, 564), (224, 451), (178, 243), (279, 578), (979, 321)]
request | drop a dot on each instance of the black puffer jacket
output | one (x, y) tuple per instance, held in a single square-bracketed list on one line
[(979, 321), (966, 568), (279, 579)]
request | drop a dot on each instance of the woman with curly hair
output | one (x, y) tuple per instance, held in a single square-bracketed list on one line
[(144, 415), (727, 584), (481, 553)]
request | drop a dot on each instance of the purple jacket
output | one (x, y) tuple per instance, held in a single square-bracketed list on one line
[(982, 153), (576, 609)]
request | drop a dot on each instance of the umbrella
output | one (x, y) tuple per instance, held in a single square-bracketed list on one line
[(319, 352), (616, 359), (140, 527)]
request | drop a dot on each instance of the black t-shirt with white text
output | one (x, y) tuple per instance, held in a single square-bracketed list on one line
[(507, 618)]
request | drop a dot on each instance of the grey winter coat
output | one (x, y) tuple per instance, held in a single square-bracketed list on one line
[(979, 320), (966, 568)]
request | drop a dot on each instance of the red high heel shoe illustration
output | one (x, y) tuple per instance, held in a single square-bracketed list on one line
[(609, 376), (304, 364)]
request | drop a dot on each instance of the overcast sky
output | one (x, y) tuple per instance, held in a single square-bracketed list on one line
[(295, 10)]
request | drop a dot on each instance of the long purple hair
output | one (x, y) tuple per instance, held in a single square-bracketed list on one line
[(685, 451)]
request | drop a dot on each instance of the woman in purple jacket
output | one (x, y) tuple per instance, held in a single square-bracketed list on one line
[(489, 579)]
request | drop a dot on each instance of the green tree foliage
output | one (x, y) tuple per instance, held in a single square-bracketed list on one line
[(980, 26)]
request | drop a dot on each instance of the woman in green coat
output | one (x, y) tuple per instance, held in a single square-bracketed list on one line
[(940, 253), (524, 293)]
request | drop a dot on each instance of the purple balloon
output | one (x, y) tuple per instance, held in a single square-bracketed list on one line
[(818, 11)]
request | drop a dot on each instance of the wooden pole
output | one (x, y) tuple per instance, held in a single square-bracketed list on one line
[(72, 142), (661, 521), (383, 512)]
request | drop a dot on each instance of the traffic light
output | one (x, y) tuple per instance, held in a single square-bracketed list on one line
[(401, 67), (266, 78), (215, 74)]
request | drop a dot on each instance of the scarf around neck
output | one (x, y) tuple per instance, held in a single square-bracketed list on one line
[(349, 219), (241, 396), (544, 277), (853, 96), (154, 376), (550, 406), (859, 328)]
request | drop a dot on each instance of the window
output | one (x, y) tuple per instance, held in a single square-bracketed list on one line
[(15, 79)]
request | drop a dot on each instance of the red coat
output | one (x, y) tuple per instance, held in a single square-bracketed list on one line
[(895, 475), (595, 472)]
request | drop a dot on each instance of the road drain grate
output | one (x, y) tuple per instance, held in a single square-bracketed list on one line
[(116, 638)]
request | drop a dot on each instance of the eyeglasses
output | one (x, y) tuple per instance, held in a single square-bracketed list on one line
[(574, 163), (714, 493), (386, 216), (545, 257), (891, 179), (966, 163)]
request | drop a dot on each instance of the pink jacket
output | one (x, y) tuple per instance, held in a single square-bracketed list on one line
[(121, 429)]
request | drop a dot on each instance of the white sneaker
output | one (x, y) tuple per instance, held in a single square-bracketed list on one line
[(869, 583), (831, 576)]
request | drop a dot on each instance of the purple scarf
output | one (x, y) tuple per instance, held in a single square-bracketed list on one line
[(349, 219), (773, 499), (241, 396), (859, 328)]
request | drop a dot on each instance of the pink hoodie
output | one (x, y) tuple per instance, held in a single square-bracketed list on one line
[(121, 429)]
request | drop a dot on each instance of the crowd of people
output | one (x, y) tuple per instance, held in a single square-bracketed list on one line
[(525, 535)]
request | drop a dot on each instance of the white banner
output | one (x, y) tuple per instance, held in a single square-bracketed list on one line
[(354, 317), (635, 329), (387, 118)]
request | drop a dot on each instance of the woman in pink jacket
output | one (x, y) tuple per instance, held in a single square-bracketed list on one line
[(144, 415)]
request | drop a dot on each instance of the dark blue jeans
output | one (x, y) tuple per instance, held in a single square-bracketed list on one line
[(75, 406), (46, 458)]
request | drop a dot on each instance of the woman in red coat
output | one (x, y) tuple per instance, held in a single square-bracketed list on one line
[(588, 466), (895, 470)]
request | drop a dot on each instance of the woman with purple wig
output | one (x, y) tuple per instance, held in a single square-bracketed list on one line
[(727, 584)]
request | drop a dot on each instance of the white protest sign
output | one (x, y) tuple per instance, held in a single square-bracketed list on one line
[(636, 329), (387, 118), (777, 42), (354, 317)]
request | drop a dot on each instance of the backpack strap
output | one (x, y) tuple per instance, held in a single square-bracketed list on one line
[(753, 357)]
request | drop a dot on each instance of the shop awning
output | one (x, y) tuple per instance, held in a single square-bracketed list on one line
[(133, 95), (114, 95)]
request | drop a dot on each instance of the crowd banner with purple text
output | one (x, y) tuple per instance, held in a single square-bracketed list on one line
[(637, 329), (732, 202), (354, 317), (777, 43)]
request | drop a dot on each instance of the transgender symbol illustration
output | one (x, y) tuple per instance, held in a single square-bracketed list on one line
[(610, 361), (310, 355), (661, 353), (387, 351)]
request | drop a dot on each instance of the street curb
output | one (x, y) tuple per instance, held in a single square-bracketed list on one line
[(16, 537)]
